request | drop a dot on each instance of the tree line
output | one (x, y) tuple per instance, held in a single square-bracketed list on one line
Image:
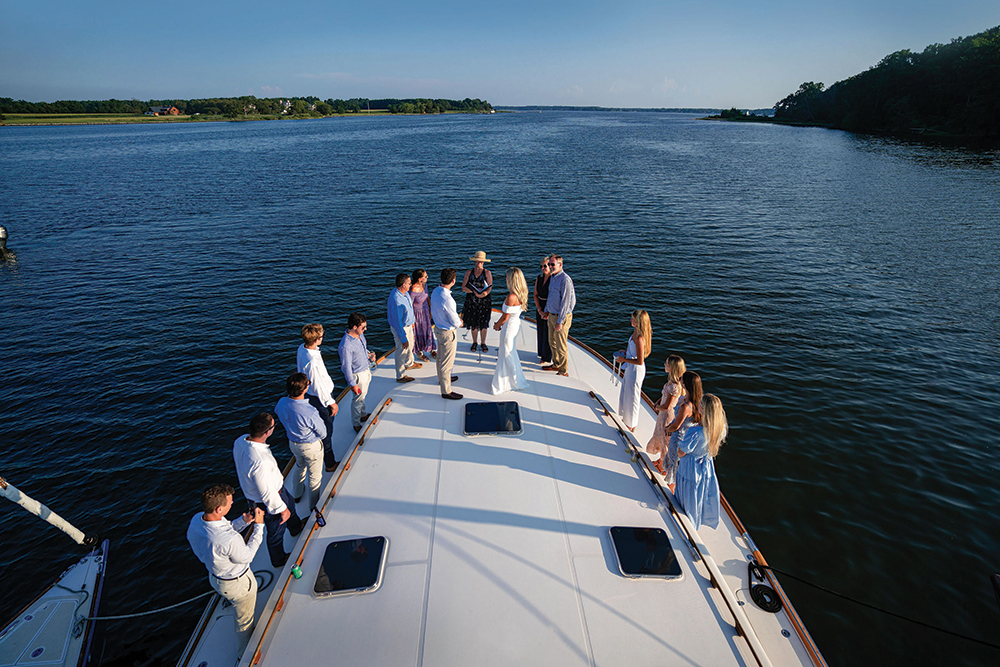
[(948, 88), (247, 106)]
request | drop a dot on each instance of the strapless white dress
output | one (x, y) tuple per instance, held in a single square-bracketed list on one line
[(508, 376)]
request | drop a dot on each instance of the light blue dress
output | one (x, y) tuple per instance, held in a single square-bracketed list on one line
[(697, 485)]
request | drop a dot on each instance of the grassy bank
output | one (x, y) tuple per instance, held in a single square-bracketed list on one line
[(85, 119)]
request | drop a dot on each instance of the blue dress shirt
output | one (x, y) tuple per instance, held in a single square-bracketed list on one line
[(399, 311), (301, 420), (443, 309)]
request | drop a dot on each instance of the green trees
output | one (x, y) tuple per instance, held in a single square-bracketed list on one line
[(247, 106), (433, 106), (948, 88), (805, 104)]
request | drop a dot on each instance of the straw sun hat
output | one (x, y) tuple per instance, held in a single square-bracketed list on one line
[(480, 256)]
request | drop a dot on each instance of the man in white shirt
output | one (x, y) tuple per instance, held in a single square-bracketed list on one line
[(218, 544), (444, 312), (320, 393), (262, 484)]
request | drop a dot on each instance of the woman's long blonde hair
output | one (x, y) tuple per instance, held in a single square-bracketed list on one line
[(645, 330), (675, 368), (714, 422), (517, 286)]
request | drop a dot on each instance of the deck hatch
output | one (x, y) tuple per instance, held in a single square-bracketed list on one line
[(644, 552), (351, 566), (493, 418)]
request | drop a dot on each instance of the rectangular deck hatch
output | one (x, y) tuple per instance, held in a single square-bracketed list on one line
[(351, 566), (497, 418), (644, 552)]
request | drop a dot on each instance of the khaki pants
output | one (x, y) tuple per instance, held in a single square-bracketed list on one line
[(558, 342), (404, 358), (308, 464), (362, 379), (447, 340), (242, 592)]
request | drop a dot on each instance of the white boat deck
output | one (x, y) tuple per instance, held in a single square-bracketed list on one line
[(44, 633), (498, 546)]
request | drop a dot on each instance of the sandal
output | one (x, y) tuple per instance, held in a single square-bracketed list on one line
[(658, 463), (474, 347), (484, 348)]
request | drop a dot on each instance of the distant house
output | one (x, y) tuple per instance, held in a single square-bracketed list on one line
[(163, 111)]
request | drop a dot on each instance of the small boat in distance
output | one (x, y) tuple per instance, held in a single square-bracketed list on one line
[(56, 628), (521, 529)]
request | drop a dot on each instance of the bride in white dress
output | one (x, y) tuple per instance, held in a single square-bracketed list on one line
[(508, 375)]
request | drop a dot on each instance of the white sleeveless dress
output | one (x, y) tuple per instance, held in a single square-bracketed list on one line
[(630, 397), (508, 375)]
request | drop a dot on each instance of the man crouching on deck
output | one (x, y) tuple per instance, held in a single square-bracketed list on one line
[(218, 544)]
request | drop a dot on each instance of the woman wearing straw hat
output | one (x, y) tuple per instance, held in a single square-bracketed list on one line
[(477, 285)]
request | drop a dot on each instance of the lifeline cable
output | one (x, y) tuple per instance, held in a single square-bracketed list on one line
[(884, 611), (262, 583), (146, 613)]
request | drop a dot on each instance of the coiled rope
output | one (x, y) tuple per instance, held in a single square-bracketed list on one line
[(863, 604), (763, 596)]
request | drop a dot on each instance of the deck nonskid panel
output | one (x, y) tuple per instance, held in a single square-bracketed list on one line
[(498, 547)]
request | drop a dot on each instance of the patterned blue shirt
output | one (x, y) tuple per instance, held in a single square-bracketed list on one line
[(562, 297), (353, 356)]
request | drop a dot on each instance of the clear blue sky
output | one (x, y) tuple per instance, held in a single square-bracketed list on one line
[(627, 53)]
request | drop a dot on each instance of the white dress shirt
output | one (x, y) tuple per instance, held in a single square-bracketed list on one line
[(443, 309), (311, 363), (219, 545), (258, 472)]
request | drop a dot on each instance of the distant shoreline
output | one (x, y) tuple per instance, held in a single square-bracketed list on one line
[(68, 120), (926, 136)]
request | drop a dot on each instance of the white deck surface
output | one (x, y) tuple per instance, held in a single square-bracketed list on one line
[(498, 547), (42, 634)]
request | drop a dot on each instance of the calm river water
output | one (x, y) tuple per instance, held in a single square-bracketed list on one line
[(839, 292)]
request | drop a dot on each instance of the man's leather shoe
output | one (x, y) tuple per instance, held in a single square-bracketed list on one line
[(415, 365), (454, 378), (405, 378), (453, 396), (365, 417), (302, 524)]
